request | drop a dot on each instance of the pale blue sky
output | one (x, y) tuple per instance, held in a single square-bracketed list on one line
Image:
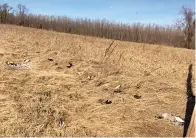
[(162, 12)]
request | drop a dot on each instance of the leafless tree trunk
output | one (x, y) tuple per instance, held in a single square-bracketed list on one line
[(21, 13), (187, 26), (4, 12)]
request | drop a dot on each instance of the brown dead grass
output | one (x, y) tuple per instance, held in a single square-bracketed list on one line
[(35, 102)]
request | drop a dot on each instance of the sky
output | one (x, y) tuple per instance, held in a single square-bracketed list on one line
[(163, 12)]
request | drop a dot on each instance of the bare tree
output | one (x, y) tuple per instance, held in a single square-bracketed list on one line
[(5, 10), (21, 13), (187, 26)]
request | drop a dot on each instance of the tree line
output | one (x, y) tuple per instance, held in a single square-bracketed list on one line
[(179, 35)]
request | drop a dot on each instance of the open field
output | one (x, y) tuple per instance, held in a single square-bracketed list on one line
[(50, 99)]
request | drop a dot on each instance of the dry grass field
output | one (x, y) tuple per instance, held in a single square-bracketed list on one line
[(51, 99)]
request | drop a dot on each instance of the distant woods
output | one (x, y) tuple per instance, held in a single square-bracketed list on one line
[(179, 35)]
